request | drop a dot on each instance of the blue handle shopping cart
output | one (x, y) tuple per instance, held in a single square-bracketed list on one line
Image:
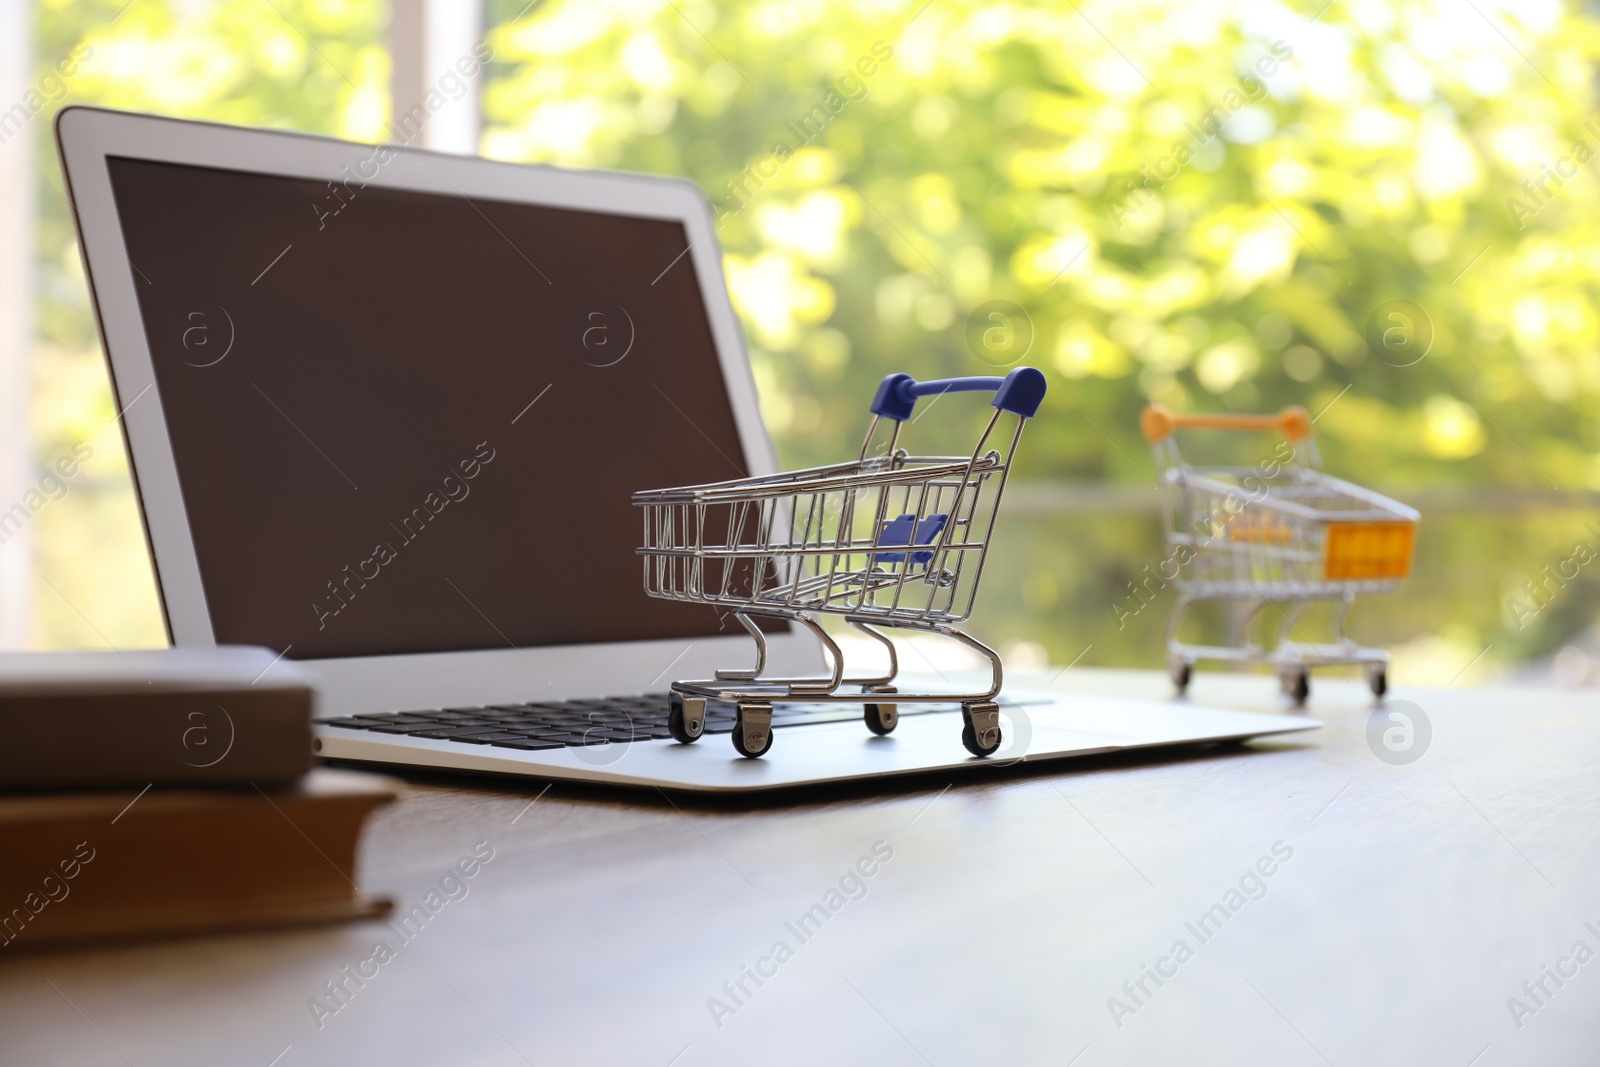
[(886, 540)]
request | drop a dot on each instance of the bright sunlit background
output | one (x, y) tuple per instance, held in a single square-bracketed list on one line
[(1198, 203)]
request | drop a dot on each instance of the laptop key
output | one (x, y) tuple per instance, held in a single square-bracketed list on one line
[(576, 739), (532, 744), (450, 733), (348, 724), (617, 735)]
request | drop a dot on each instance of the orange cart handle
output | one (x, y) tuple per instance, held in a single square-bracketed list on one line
[(1159, 423)]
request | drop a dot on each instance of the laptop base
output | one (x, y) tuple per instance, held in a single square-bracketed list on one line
[(1036, 726)]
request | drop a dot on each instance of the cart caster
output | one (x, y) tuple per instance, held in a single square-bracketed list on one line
[(1296, 685), (1378, 679), (1179, 671), (752, 730), (881, 718), (686, 717), (980, 728)]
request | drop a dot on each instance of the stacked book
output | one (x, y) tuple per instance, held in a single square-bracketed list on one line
[(153, 793)]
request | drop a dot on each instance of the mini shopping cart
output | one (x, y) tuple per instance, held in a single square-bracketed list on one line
[(886, 540), (1282, 533)]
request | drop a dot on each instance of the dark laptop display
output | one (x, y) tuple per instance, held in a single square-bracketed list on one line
[(411, 422)]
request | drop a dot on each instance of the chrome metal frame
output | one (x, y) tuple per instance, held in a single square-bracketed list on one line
[(806, 543)]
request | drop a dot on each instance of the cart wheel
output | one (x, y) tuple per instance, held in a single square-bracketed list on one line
[(686, 717), (1378, 680), (752, 730), (881, 718), (980, 728), (1179, 671)]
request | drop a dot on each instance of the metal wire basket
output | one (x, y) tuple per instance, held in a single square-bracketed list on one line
[(888, 539)]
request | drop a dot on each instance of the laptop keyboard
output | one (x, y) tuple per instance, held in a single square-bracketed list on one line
[(571, 723)]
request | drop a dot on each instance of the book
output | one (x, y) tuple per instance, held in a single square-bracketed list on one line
[(90, 720), (92, 867)]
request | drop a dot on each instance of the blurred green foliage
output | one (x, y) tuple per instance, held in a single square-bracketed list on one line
[(1203, 205), (1016, 151)]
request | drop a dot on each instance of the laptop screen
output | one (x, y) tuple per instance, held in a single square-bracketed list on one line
[(411, 422)]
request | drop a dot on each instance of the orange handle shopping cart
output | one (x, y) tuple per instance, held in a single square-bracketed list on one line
[(1280, 533)]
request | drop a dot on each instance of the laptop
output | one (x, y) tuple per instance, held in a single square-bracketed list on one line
[(386, 409)]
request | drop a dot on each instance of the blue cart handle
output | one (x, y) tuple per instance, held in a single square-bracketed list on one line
[(1020, 392)]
